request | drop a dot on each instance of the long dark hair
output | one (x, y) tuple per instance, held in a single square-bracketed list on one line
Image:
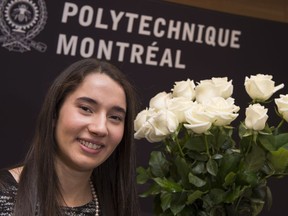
[(114, 179)]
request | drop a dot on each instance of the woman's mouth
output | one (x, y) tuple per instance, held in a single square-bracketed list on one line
[(90, 144)]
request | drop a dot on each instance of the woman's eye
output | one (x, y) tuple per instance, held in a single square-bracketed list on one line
[(86, 109), (117, 118)]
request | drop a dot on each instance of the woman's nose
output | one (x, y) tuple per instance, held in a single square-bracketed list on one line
[(98, 126)]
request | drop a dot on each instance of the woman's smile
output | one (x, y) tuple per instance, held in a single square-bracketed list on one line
[(90, 144)]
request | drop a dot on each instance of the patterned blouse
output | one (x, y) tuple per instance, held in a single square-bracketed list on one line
[(8, 194)]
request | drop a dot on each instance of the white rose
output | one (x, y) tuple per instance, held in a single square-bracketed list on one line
[(141, 122), (163, 124), (184, 89), (261, 87), (256, 117), (223, 110), (159, 101), (215, 87), (197, 119), (158, 125), (225, 87), (178, 106), (282, 105)]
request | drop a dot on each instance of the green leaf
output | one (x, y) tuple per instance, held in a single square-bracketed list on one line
[(165, 200), (197, 156), (255, 159), (158, 164), (212, 167), (195, 143), (257, 206), (248, 177), (143, 175), (176, 209), (229, 179), (269, 198), (194, 196), (216, 196), (279, 159), (199, 168), (195, 180), (273, 142), (234, 194), (229, 163), (259, 192), (217, 156), (223, 136), (268, 142), (154, 189), (245, 143), (182, 169), (243, 131), (281, 140), (168, 185), (178, 203)]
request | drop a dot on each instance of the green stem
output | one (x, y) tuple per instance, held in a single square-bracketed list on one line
[(179, 147), (207, 147), (248, 148), (280, 124), (238, 203)]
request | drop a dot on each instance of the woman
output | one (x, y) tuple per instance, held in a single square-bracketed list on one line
[(81, 161)]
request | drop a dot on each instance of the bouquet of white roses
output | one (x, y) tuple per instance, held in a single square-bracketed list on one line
[(201, 168)]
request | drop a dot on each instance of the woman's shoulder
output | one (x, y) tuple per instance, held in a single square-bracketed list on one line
[(7, 180), (8, 190)]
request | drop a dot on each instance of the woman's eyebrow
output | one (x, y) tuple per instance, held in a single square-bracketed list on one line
[(119, 109), (94, 102), (87, 100)]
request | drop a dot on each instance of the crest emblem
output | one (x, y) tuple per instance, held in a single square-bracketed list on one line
[(20, 22)]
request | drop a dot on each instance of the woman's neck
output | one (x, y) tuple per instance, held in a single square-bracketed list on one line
[(16, 172), (74, 186)]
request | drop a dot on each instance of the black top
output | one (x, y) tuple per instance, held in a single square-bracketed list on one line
[(9, 190)]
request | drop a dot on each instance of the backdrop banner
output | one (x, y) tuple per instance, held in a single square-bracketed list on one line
[(154, 42)]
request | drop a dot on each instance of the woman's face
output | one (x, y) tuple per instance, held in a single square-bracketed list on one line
[(91, 122)]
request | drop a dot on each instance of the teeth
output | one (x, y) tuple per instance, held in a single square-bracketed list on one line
[(90, 145)]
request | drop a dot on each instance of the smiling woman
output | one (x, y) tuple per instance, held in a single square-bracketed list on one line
[(89, 127), (81, 160)]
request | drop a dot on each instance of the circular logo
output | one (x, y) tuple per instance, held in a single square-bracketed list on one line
[(20, 22), (21, 15)]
